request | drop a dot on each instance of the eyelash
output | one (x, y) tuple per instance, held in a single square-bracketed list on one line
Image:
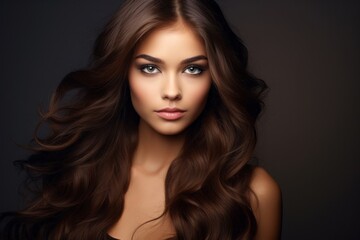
[(196, 67), (144, 68)]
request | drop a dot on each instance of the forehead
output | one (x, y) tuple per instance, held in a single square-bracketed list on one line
[(176, 39)]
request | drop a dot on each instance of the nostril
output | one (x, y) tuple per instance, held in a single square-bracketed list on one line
[(174, 96)]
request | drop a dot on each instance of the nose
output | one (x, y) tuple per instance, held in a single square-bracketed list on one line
[(171, 88)]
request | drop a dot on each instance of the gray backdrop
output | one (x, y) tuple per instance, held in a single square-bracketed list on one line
[(307, 51)]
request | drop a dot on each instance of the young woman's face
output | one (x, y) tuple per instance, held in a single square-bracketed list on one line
[(169, 79)]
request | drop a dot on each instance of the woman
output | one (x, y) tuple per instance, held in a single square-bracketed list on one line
[(153, 139)]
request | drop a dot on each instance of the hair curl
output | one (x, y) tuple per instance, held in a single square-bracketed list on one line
[(83, 164)]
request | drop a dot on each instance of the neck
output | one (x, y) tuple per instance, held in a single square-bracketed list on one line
[(155, 152)]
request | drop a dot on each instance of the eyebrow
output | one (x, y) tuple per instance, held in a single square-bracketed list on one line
[(158, 60)]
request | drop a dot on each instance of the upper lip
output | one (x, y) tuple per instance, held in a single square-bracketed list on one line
[(168, 109)]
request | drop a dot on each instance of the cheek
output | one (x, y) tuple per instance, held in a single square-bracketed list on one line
[(137, 92), (141, 91), (198, 94)]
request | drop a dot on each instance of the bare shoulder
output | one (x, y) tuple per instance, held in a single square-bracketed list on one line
[(266, 204), (264, 185)]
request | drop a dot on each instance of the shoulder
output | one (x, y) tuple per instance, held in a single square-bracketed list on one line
[(264, 185), (266, 204)]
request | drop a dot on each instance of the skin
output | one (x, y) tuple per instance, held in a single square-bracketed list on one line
[(165, 74), (266, 205)]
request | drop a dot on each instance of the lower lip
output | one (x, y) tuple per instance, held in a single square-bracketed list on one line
[(170, 115)]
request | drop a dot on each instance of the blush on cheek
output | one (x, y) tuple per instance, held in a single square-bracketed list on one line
[(200, 95), (199, 103)]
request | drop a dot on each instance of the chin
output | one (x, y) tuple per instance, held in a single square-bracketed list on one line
[(170, 130)]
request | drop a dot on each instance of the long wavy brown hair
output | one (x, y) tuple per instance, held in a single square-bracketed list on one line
[(81, 167)]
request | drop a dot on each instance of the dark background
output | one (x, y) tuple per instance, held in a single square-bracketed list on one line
[(307, 51)]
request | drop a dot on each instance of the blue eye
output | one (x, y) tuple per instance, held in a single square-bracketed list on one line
[(194, 70), (149, 69)]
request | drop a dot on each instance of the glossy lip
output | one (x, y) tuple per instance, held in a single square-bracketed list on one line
[(170, 113)]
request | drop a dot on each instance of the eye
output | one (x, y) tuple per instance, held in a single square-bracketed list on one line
[(149, 69), (194, 70)]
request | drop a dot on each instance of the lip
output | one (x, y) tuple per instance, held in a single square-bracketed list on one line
[(170, 114)]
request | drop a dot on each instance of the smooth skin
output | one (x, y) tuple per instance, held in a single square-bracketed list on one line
[(170, 70)]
